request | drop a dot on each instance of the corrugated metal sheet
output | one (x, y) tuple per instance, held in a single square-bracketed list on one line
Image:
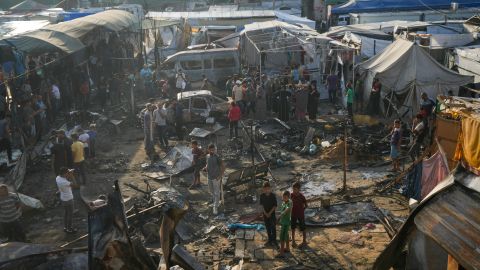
[(450, 215), (212, 14), (452, 219)]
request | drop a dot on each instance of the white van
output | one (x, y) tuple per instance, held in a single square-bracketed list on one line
[(215, 64)]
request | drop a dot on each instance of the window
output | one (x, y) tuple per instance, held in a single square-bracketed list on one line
[(224, 62), (199, 103), (207, 64), (191, 65), (169, 66), (184, 103)]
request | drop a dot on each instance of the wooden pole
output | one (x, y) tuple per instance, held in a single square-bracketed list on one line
[(345, 157)]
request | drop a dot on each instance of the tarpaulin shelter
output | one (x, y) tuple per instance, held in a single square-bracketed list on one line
[(13, 28), (281, 44), (468, 146), (67, 36), (405, 69), (358, 6)]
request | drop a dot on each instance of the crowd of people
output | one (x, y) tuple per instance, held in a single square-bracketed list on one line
[(291, 95)]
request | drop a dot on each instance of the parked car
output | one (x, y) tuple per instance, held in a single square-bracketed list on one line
[(215, 64), (199, 105)]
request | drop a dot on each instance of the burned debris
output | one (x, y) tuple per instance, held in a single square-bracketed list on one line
[(231, 137)]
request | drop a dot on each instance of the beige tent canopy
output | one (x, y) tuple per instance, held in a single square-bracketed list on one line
[(66, 36), (404, 68), (41, 40)]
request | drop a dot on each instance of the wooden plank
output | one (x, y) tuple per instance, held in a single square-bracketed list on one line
[(249, 234), (239, 248), (240, 234)]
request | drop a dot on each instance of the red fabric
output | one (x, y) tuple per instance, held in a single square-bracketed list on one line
[(434, 170), (299, 202), (197, 153), (84, 89), (234, 114)]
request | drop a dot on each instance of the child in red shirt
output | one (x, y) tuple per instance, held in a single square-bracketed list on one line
[(298, 214), (234, 115)]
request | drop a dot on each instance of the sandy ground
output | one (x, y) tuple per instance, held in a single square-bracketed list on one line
[(124, 160)]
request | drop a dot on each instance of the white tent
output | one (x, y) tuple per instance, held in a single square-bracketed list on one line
[(404, 68)]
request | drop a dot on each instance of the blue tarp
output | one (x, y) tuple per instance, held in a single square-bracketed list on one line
[(68, 16), (413, 183), (234, 226), (359, 6)]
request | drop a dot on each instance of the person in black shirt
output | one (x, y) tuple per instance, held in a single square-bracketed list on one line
[(269, 203)]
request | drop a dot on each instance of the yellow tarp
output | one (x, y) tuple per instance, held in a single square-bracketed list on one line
[(468, 147)]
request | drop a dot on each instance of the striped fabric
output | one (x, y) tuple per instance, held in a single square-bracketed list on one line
[(8, 209)]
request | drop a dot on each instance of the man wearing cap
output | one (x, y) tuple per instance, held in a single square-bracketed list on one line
[(237, 95), (85, 139), (66, 196), (10, 213)]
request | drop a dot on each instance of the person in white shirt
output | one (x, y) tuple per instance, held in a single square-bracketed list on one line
[(237, 95), (181, 80), (66, 196), (419, 133), (85, 139), (56, 97), (160, 120)]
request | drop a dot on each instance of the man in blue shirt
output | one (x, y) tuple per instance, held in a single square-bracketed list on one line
[(427, 105), (146, 74)]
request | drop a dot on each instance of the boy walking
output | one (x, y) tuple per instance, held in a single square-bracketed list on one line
[(395, 145), (269, 203), (299, 204), (350, 97), (197, 155), (284, 219)]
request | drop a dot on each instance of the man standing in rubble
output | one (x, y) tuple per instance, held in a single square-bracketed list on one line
[(215, 169), (419, 131), (59, 152), (148, 131), (332, 86), (160, 119), (237, 95), (78, 154), (65, 182)]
